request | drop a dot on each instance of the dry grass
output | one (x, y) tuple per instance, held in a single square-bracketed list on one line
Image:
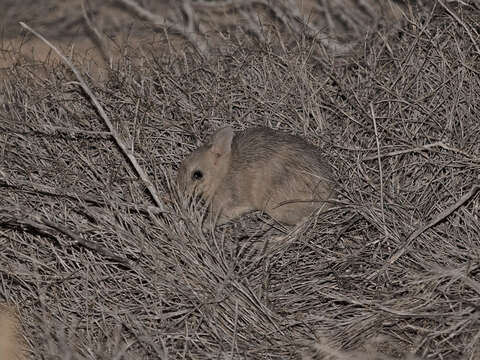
[(392, 271)]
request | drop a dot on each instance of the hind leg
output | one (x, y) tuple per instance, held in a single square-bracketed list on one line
[(226, 211), (292, 213)]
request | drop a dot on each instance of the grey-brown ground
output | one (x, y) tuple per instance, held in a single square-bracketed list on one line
[(99, 272)]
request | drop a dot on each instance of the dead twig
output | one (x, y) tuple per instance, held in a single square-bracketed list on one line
[(467, 29), (32, 187), (38, 222), (187, 32), (121, 144), (444, 214), (418, 149), (372, 110), (78, 240), (99, 39)]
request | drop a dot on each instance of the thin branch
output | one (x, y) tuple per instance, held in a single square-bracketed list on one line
[(78, 240), (32, 187), (161, 22), (289, 16), (419, 149), (379, 167), (443, 215), (98, 37), (103, 115), (38, 222), (467, 29)]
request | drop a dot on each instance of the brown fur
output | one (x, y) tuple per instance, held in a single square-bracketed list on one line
[(11, 344), (258, 169)]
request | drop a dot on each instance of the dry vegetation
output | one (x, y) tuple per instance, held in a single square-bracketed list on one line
[(99, 271)]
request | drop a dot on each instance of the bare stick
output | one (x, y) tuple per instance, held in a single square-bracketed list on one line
[(190, 35), (78, 240), (455, 16), (32, 187), (98, 38), (379, 167), (418, 149), (38, 222), (444, 214), (284, 14), (113, 131)]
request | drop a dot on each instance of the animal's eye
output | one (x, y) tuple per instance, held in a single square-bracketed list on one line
[(197, 175)]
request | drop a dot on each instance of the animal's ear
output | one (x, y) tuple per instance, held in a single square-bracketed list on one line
[(221, 141)]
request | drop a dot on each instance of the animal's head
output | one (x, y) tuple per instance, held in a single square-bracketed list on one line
[(203, 170)]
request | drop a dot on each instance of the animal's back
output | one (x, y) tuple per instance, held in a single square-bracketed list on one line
[(261, 143), (280, 173), (11, 347)]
